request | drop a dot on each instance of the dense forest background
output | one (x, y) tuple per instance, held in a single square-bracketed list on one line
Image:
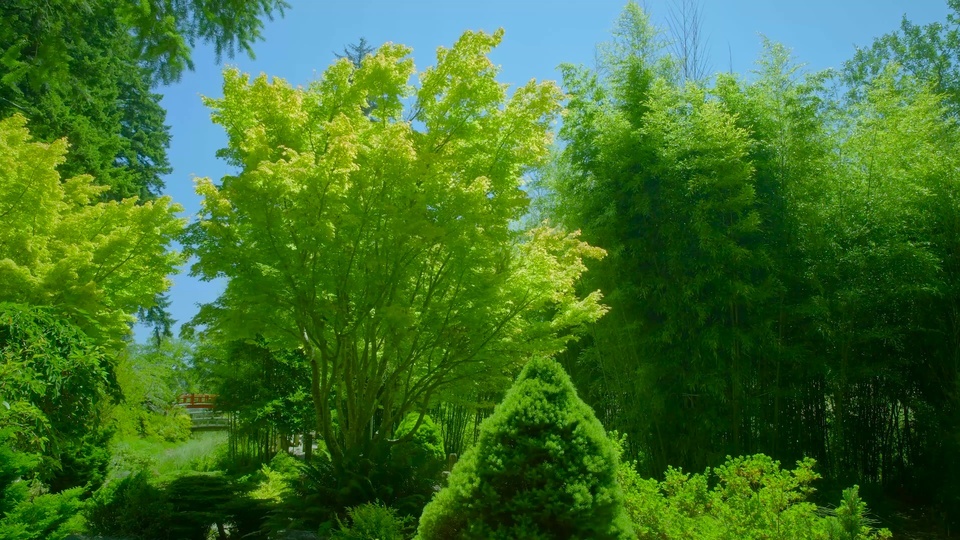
[(736, 273)]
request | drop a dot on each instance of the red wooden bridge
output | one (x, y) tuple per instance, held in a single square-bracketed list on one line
[(200, 407)]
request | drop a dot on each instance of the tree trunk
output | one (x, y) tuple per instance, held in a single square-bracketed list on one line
[(308, 447)]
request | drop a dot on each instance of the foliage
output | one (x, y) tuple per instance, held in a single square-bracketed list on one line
[(84, 70), (925, 53), (783, 273), (184, 507), (151, 377), (15, 465), (72, 69), (374, 521), (746, 497), (277, 479), (94, 262), (166, 30), (266, 389), (203, 452), (158, 318), (383, 247), (52, 382), (355, 53), (130, 507), (44, 516), (198, 500), (542, 468), (659, 175), (851, 522), (27, 510), (83, 461), (408, 478)]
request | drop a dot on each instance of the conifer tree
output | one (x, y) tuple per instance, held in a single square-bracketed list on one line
[(543, 468)]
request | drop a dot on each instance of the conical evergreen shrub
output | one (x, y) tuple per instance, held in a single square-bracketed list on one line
[(543, 468)]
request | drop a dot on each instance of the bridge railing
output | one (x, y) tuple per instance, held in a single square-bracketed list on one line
[(200, 407), (198, 401)]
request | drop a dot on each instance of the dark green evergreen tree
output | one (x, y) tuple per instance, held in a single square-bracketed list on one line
[(158, 318), (75, 73), (86, 69), (356, 52)]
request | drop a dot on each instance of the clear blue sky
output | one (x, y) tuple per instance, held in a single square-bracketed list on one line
[(540, 35)]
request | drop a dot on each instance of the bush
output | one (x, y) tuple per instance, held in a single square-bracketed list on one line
[(139, 507), (408, 477), (542, 468), (83, 462), (131, 507), (198, 499), (27, 511), (44, 516), (374, 521), (275, 480), (750, 497), (850, 521), (173, 426), (403, 476)]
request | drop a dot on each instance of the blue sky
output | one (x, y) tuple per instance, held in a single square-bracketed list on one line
[(540, 35)]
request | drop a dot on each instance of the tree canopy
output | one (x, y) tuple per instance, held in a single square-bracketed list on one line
[(783, 263), (93, 262), (385, 247), (87, 70)]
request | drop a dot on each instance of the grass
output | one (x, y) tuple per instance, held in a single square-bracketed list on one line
[(199, 453)]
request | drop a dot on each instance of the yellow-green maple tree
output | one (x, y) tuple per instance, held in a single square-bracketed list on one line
[(372, 224)]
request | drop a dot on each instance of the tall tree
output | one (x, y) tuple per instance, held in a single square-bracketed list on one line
[(383, 247), (927, 53), (165, 31), (56, 72), (791, 150), (688, 43), (356, 52), (783, 264), (884, 288), (85, 69), (657, 174)]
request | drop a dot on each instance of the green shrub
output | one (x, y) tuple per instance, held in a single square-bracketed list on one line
[(174, 426), (14, 467), (84, 462), (746, 497), (198, 500), (850, 522), (44, 516), (402, 475), (131, 507), (408, 477), (426, 443), (142, 507), (275, 480), (542, 468), (374, 521), (27, 510)]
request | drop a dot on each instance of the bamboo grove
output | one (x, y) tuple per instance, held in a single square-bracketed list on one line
[(783, 257)]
